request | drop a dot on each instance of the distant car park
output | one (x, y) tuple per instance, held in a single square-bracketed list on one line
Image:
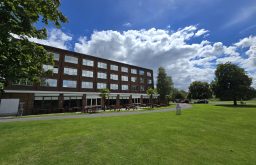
[(202, 101)]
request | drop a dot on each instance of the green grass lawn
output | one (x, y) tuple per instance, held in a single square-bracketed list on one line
[(205, 134)]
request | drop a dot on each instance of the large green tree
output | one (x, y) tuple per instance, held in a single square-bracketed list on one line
[(150, 93), (164, 84), (231, 83), (178, 94), (104, 93), (199, 90), (20, 58)]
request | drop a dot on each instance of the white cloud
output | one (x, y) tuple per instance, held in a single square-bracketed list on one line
[(127, 24), (157, 47), (56, 38), (201, 32)]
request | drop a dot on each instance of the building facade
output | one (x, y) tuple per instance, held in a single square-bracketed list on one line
[(77, 80)]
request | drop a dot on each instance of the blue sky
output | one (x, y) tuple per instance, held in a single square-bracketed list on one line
[(188, 37), (227, 20)]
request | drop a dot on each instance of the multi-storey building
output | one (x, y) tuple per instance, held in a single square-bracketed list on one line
[(77, 79)]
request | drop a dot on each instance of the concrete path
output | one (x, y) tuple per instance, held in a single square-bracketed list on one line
[(14, 119)]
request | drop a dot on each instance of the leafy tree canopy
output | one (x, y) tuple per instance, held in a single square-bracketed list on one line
[(231, 83), (199, 90), (178, 94), (151, 91), (164, 84), (20, 58), (104, 93)]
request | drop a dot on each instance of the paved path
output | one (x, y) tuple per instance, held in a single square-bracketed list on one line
[(14, 119)]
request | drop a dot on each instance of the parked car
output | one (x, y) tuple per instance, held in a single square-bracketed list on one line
[(184, 101), (202, 101)]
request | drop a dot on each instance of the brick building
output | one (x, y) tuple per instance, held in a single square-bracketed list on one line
[(76, 81)]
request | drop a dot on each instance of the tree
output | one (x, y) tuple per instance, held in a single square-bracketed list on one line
[(178, 94), (199, 90), (151, 92), (231, 83), (20, 58), (164, 84), (104, 93)]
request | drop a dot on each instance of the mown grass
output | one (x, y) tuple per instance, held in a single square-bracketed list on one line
[(205, 134)]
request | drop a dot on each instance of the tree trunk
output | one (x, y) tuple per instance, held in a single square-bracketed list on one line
[(235, 102), (103, 103), (151, 101)]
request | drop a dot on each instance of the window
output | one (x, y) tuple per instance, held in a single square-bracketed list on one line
[(102, 75), (134, 88), (87, 85), (114, 67), (101, 85), (71, 59), (102, 65), (142, 80), (114, 86), (113, 76), (124, 87), (133, 79), (142, 88), (148, 74), (70, 71), (87, 73), (134, 71), (50, 67), (49, 83), (142, 72), (149, 81), (124, 69), (124, 78), (56, 56), (24, 82), (69, 84), (88, 62)]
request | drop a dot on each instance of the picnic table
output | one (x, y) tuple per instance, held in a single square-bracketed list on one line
[(91, 109), (130, 106)]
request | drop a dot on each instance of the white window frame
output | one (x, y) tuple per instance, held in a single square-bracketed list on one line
[(48, 82), (133, 78), (102, 65), (113, 76), (70, 71), (72, 82), (125, 78), (114, 86), (142, 78), (124, 69), (71, 59), (125, 87), (114, 67), (134, 71), (87, 62), (50, 67), (101, 85), (87, 73), (142, 86), (56, 56), (102, 75), (87, 85)]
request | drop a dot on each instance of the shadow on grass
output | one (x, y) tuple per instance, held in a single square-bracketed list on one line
[(238, 106)]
